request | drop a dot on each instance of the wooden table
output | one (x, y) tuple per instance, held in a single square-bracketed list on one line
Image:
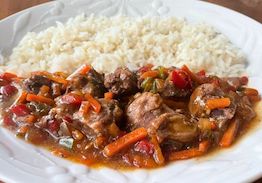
[(252, 8)]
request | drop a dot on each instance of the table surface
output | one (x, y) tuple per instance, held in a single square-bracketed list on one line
[(251, 8)]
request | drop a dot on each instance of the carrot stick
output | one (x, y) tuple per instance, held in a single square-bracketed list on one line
[(203, 146), (230, 134), (158, 155), (84, 108), (217, 103), (51, 77), (108, 95), (93, 102), (22, 97), (85, 69), (190, 153), (36, 98), (125, 141), (151, 74), (193, 76), (185, 154)]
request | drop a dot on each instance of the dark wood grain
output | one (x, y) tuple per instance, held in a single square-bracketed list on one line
[(251, 8), (8, 7)]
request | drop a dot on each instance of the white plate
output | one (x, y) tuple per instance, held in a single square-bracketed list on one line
[(22, 162)]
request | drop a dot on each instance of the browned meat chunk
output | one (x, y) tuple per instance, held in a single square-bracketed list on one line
[(36, 135), (198, 99), (121, 82), (34, 83), (233, 81), (148, 110), (64, 117), (39, 108), (244, 111), (169, 90), (92, 83), (100, 122)]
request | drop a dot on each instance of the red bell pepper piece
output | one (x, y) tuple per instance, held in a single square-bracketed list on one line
[(181, 79), (144, 146), (72, 98), (53, 125), (8, 90), (7, 76), (8, 121), (20, 110)]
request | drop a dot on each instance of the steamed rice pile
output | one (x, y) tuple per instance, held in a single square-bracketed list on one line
[(108, 43)]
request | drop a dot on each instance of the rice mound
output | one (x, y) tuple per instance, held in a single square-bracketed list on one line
[(108, 43)]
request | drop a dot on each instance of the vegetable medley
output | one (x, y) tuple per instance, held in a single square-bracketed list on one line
[(145, 118)]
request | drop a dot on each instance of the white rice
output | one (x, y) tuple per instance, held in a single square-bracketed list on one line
[(108, 43)]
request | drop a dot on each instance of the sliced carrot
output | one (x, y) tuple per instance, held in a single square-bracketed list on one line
[(84, 108), (151, 74), (59, 80), (203, 146), (158, 155), (193, 76), (125, 141), (185, 154), (217, 103), (41, 99), (52, 77), (108, 95), (230, 134), (93, 102), (85, 69), (21, 99)]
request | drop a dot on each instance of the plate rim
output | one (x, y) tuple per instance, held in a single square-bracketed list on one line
[(210, 4)]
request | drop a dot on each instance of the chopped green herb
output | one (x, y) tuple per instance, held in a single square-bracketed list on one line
[(147, 84)]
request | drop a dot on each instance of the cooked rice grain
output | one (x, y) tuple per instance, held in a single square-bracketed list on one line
[(108, 43)]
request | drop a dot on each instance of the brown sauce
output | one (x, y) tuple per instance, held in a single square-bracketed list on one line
[(168, 115), (252, 126)]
